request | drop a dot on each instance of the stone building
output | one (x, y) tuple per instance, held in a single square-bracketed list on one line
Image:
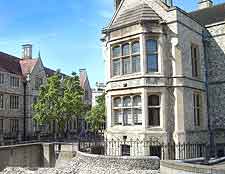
[(98, 91), (20, 79), (165, 72)]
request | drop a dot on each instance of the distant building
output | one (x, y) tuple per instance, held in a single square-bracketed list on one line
[(20, 79), (98, 91), (85, 84)]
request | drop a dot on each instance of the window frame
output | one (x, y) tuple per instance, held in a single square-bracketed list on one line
[(197, 109), (122, 57), (14, 82), (155, 53), (13, 104), (2, 104), (119, 110), (2, 78), (195, 61), (155, 107)]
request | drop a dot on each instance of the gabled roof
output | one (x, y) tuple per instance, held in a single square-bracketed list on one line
[(27, 65), (141, 12), (10, 64), (15, 65), (209, 15)]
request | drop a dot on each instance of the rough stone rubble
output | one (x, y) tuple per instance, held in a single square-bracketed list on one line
[(77, 166)]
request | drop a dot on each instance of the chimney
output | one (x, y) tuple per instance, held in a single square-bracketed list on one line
[(204, 4), (117, 3), (27, 51)]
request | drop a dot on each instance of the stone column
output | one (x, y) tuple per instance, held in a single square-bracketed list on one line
[(143, 59)]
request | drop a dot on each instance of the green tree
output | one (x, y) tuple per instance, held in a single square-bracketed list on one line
[(96, 117), (59, 101)]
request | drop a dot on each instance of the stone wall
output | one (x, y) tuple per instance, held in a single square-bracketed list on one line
[(122, 163), (174, 167)]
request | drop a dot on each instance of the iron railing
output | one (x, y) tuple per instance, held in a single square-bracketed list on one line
[(137, 147)]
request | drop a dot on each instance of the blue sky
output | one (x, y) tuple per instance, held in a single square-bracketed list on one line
[(67, 32)]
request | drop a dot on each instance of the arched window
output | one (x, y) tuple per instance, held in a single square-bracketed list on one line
[(154, 110)]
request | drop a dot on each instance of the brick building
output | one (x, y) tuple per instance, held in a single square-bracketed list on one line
[(165, 72)]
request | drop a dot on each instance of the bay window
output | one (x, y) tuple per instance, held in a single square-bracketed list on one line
[(152, 55), (127, 110), (126, 58)]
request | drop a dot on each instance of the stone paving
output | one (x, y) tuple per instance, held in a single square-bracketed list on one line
[(77, 166)]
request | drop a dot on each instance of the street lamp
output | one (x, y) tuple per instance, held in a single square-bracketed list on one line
[(25, 82)]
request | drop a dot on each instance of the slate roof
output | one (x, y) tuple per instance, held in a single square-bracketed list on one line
[(10, 64), (139, 13), (15, 65), (209, 15)]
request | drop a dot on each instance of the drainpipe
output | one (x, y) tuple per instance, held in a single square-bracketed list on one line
[(210, 147), (24, 110)]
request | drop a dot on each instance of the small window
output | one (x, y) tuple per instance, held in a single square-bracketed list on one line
[(195, 60), (14, 82), (116, 67), (1, 101), (152, 55), (38, 82), (125, 150), (126, 49), (14, 125), (14, 102), (2, 78), (116, 51), (197, 101), (1, 125), (154, 110)]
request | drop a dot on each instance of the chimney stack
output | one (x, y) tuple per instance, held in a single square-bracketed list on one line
[(204, 4), (27, 51)]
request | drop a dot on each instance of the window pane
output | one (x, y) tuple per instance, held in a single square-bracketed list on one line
[(153, 63), (154, 116), (1, 78), (127, 101), (116, 67), (137, 116), (195, 60), (127, 117), (118, 117), (116, 51), (137, 101), (151, 46), (126, 49), (153, 100), (1, 101), (126, 66), (135, 64), (117, 102), (135, 47)]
